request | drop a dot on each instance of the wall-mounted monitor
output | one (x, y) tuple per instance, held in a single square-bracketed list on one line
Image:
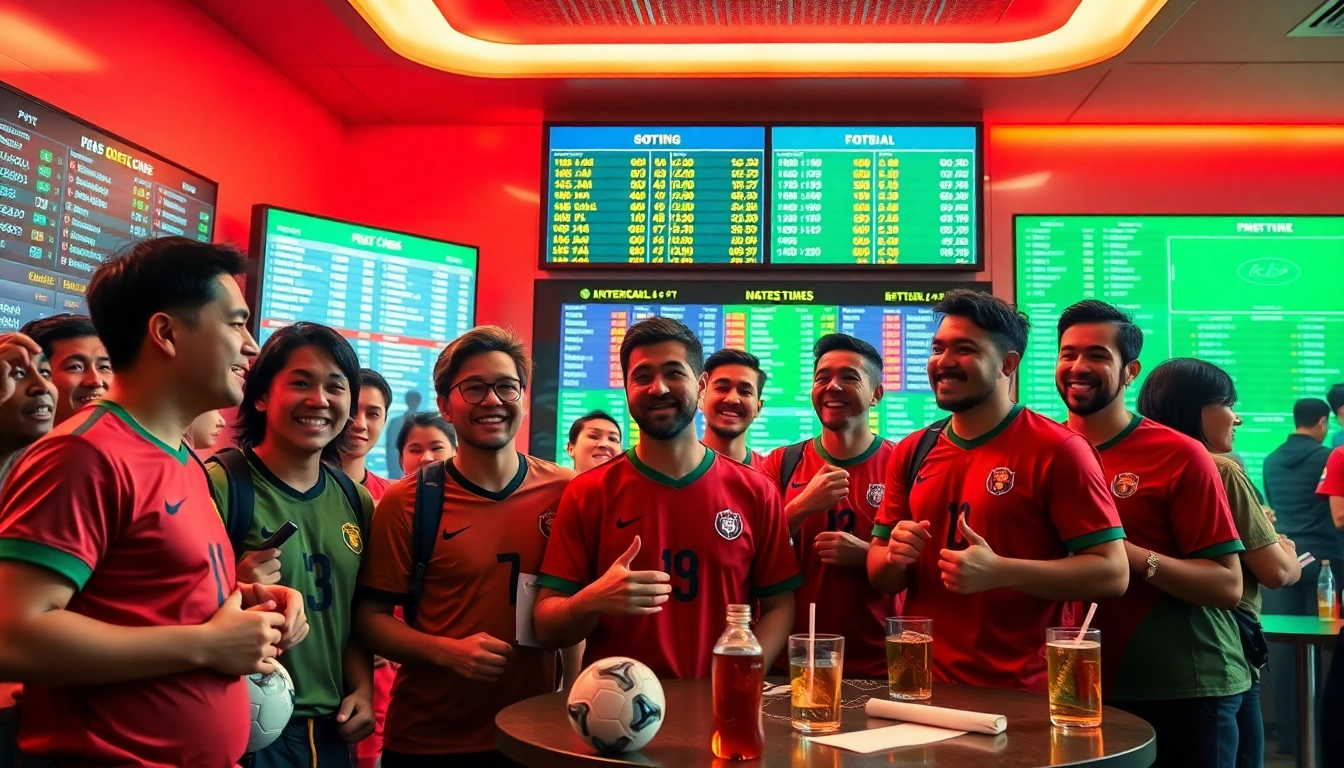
[(70, 196), (399, 298), (1260, 296)]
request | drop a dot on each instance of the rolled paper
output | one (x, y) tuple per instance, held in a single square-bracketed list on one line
[(939, 717)]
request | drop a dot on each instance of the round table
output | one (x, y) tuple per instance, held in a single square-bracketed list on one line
[(537, 733)]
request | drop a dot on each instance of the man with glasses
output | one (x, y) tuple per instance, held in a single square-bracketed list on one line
[(466, 649)]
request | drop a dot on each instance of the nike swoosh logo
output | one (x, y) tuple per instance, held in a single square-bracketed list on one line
[(623, 523), (797, 485), (450, 534), (172, 509), (266, 533), (921, 478)]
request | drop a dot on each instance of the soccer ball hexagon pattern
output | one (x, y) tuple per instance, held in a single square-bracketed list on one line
[(617, 705)]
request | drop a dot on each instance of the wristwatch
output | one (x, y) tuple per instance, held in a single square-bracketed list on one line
[(1152, 566)]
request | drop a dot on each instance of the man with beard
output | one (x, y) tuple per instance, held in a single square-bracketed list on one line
[(651, 548), (1172, 650), (839, 473), (465, 649), (731, 400), (1001, 499)]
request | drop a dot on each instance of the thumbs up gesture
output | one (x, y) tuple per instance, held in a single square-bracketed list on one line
[(969, 570), (623, 592)]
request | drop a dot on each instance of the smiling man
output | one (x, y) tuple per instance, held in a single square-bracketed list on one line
[(80, 367), (982, 537), (731, 401)]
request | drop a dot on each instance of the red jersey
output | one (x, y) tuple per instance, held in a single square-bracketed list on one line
[(1033, 490), (1332, 479), (719, 532), (846, 603), (376, 486), (1171, 501), (130, 523)]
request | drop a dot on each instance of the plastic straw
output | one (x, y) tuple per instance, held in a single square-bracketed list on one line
[(812, 642), (1086, 623)]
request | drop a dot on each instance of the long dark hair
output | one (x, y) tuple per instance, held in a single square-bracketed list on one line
[(1176, 391)]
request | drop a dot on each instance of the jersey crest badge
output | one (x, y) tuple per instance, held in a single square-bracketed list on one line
[(1125, 485), (350, 533), (875, 493), (1000, 480), (545, 522), (729, 524)]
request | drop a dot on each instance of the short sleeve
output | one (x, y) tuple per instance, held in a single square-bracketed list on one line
[(1202, 523), (774, 571), (385, 569), (569, 564), (1078, 501), (1332, 479), (62, 507), (1252, 523), (895, 496)]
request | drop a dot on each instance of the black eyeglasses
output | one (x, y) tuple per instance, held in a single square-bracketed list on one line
[(474, 391)]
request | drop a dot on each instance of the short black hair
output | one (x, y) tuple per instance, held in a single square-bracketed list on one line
[(656, 330), (165, 274), (843, 342), (425, 419), (478, 341), (1007, 327), (1335, 397), (250, 426), (46, 331), (730, 356), (1176, 391), (1128, 336), (1309, 411), (582, 421), (371, 380)]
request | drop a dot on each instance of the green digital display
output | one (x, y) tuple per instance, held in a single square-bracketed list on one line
[(1259, 296)]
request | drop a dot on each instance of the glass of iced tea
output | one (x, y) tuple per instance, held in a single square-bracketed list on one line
[(816, 667), (1073, 665), (910, 657)]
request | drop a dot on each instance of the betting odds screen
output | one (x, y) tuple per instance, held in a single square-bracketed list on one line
[(398, 298), (1259, 296), (893, 195), (70, 196), (689, 195), (579, 327)]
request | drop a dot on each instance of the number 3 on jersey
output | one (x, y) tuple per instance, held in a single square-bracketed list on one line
[(683, 565), (320, 567)]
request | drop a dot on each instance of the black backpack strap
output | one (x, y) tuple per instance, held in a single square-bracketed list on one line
[(424, 530), (922, 448), (242, 496), (348, 488), (793, 456)]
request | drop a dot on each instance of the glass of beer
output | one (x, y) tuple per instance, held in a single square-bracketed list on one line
[(910, 657), (816, 667), (1073, 665)]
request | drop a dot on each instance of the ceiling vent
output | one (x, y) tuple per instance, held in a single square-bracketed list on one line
[(1326, 21)]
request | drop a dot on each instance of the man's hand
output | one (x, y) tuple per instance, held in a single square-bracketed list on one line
[(907, 541), (824, 490), (354, 720), (969, 570), (239, 642), (840, 548), (481, 658), (290, 604), (623, 592), (1269, 515), (16, 351), (260, 567), (1288, 545)]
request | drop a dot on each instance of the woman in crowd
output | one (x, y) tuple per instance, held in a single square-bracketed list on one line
[(425, 438)]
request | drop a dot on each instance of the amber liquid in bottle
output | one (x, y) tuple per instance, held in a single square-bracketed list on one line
[(738, 675)]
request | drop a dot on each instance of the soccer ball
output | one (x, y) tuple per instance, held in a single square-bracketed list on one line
[(616, 705), (271, 699)]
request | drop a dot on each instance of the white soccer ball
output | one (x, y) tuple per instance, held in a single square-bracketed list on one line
[(617, 705), (271, 699)]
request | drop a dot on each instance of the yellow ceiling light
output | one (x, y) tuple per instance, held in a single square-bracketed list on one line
[(1098, 30)]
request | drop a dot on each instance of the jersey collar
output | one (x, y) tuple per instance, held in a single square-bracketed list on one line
[(968, 445), (842, 463), (181, 453), (673, 482), (1114, 441), (281, 485), (474, 489)]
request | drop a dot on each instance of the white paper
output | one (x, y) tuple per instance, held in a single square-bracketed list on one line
[(892, 737), (941, 717), (524, 599)]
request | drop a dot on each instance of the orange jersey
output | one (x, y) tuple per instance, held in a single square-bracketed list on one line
[(488, 548)]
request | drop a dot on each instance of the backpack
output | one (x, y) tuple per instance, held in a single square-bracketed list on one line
[(242, 494), (793, 455), (429, 482)]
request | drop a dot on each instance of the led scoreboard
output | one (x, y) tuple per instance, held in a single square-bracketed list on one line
[(580, 324), (1259, 296), (621, 195), (904, 195)]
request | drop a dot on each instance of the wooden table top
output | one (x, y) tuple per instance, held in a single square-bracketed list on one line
[(1300, 630), (537, 734)]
